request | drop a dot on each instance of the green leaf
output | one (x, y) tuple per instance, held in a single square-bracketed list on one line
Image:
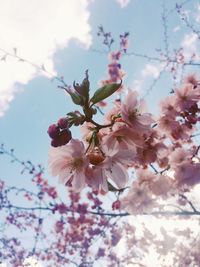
[(77, 99), (85, 86), (104, 92), (71, 114), (83, 89)]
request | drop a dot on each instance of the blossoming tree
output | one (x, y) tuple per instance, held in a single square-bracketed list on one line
[(149, 165)]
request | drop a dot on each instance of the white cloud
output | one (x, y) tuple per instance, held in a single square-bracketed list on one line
[(37, 29), (137, 85), (150, 70), (189, 41), (189, 45), (123, 3), (176, 29)]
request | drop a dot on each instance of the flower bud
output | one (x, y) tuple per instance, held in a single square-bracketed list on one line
[(55, 142), (63, 123), (116, 205), (65, 136), (53, 131)]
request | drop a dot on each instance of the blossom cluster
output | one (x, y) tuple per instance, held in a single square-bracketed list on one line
[(159, 150), (119, 146), (132, 138)]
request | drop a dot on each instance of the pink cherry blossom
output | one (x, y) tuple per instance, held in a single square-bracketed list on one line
[(187, 174), (114, 166), (123, 136), (186, 97), (173, 129), (134, 113), (178, 156), (69, 162), (158, 184), (138, 199), (192, 79), (114, 112), (167, 124), (168, 106), (182, 132), (97, 180)]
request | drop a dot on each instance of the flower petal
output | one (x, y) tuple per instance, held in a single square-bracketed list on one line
[(118, 174), (78, 181)]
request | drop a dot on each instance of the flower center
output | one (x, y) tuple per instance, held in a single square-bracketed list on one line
[(77, 163), (120, 138), (133, 114)]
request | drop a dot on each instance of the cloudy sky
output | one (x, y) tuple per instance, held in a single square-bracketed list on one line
[(61, 37)]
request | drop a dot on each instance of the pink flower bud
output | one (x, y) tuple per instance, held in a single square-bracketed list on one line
[(65, 137), (53, 131), (63, 123), (55, 142), (116, 205)]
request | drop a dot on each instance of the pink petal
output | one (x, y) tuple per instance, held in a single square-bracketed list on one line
[(78, 181), (118, 174), (145, 119), (131, 100), (65, 175)]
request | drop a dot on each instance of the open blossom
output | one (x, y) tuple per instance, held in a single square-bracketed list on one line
[(157, 184), (114, 112), (192, 79), (123, 136), (168, 107), (186, 97), (138, 199), (178, 156), (113, 167), (187, 173), (186, 170), (133, 112), (167, 124), (69, 162), (97, 180), (173, 128)]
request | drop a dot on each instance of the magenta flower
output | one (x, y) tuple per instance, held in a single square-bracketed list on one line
[(69, 162)]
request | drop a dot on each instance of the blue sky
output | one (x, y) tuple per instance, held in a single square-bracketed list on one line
[(37, 102)]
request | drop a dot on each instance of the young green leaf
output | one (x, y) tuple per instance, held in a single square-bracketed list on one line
[(104, 92), (77, 99)]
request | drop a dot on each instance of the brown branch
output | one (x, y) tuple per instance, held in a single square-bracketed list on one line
[(124, 214), (189, 202)]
